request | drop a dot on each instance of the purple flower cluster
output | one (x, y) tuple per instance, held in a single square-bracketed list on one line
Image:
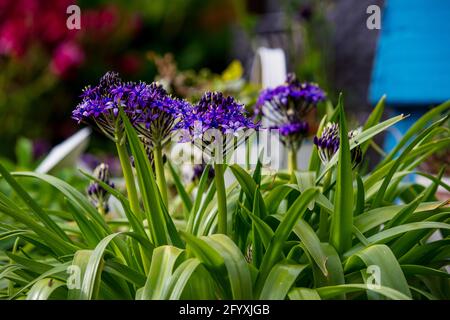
[(97, 194), (287, 105), (98, 100), (292, 129), (218, 112), (292, 96), (328, 144), (157, 114), (198, 170), (148, 106)]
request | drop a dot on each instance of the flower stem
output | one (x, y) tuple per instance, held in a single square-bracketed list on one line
[(160, 177), (101, 210), (129, 179), (221, 197), (323, 218), (292, 163)]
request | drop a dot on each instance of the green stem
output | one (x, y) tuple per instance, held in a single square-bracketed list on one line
[(292, 163), (129, 179), (101, 210), (160, 177), (248, 144), (323, 218), (219, 171)]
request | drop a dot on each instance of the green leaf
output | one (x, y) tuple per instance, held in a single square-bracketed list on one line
[(333, 264), (159, 277), (162, 228), (373, 218), (136, 225), (274, 252), (410, 239), (183, 274), (35, 208), (404, 214), (44, 288), (332, 291), (249, 186), (314, 160), (237, 268), (274, 197), (186, 200), (360, 139), (360, 196), (311, 243), (380, 194), (200, 191), (201, 286), (391, 275), (373, 120), (35, 266), (264, 231), (303, 294), (197, 217), (94, 267), (416, 127), (212, 260), (389, 234), (424, 253), (87, 217), (280, 280), (56, 272), (342, 219), (125, 272), (422, 270), (257, 245), (305, 180), (58, 245)]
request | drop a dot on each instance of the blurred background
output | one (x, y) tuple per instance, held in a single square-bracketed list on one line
[(189, 45)]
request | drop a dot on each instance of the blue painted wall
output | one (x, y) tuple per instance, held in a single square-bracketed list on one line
[(412, 63)]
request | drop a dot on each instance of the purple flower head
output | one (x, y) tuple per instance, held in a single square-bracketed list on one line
[(96, 193), (198, 172), (291, 129), (157, 113), (100, 106), (328, 144), (216, 111), (148, 106), (215, 117), (287, 105)]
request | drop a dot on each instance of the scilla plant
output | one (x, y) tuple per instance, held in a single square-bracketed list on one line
[(331, 232)]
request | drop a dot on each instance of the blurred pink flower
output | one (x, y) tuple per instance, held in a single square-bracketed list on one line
[(13, 38), (24, 22), (101, 21), (66, 56), (29, 24)]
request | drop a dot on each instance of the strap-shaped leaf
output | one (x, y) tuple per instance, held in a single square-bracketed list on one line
[(274, 252), (380, 256), (162, 228), (342, 219), (280, 280)]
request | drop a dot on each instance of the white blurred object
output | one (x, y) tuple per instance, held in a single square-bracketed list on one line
[(67, 153), (269, 67), (269, 70)]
